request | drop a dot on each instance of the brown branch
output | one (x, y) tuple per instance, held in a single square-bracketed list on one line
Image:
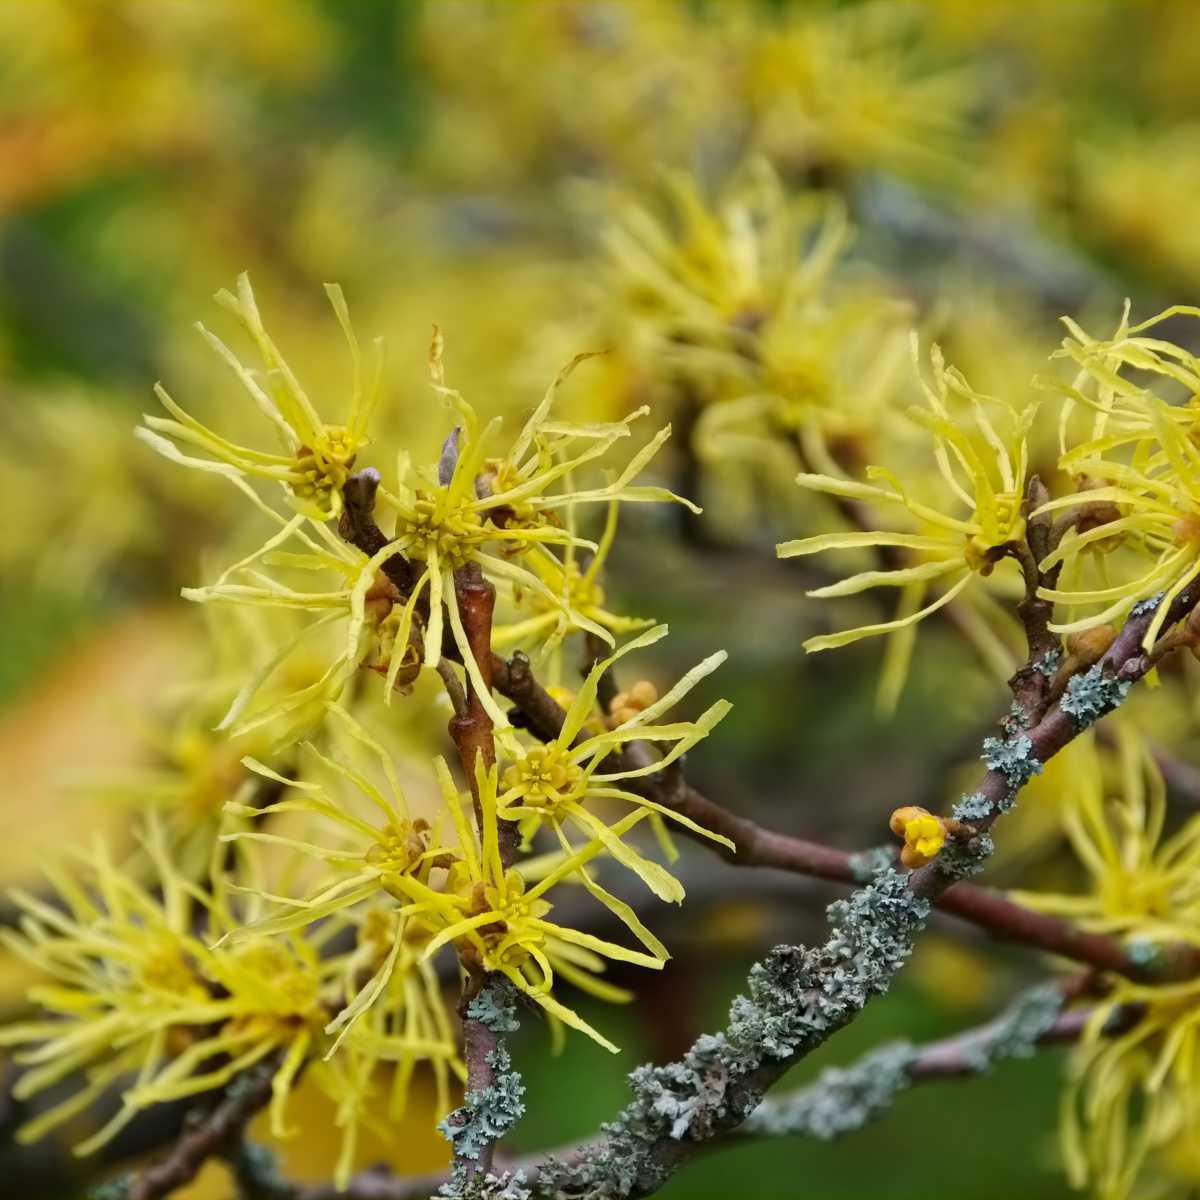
[(990, 910), (210, 1136), (472, 730), (454, 688), (357, 526), (1030, 686), (959, 1056), (757, 846), (1051, 727)]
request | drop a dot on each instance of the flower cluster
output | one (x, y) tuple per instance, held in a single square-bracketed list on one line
[(1118, 539), (743, 314), (290, 903), (1134, 518), (1131, 1094)]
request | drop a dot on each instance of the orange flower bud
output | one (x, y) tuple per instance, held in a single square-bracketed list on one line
[(924, 834)]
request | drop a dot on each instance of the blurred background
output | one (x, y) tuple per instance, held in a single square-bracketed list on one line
[(487, 167)]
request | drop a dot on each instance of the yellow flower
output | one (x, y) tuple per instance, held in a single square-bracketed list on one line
[(136, 994), (1133, 1092), (1142, 880), (498, 923), (316, 457), (740, 300), (1139, 474), (449, 519), (1130, 1095), (981, 466), (577, 590), (924, 835), (364, 859), (499, 513), (847, 89), (559, 782)]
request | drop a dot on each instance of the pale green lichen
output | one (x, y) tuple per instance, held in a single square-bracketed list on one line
[(488, 1113), (844, 1099), (1145, 607), (1015, 1034), (961, 860), (496, 1007), (797, 997), (1017, 718), (972, 808), (866, 864), (467, 1184), (1143, 952), (840, 1101), (1013, 758), (1092, 695), (1048, 663)]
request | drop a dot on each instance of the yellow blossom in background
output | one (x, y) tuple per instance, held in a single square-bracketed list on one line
[(743, 207), (1145, 883), (1133, 1092), (846, 88), (745, 311), (1133, 193), (818, 86)]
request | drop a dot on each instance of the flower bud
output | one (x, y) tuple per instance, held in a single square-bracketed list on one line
[(1089, 645), (924, 835), (626, 705)]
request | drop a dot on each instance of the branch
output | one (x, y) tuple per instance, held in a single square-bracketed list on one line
[(483, 1050), (798, 998), (839, 1101), (210, 1136), (843, 1099)]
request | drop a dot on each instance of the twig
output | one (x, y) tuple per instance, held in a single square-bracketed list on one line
[(472, 731), (843, 1099), (799, 997), (840, 1100), (454, 688), (211, 1136), (1030, 685)]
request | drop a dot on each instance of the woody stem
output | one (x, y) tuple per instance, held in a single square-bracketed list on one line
[(472, 731)]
